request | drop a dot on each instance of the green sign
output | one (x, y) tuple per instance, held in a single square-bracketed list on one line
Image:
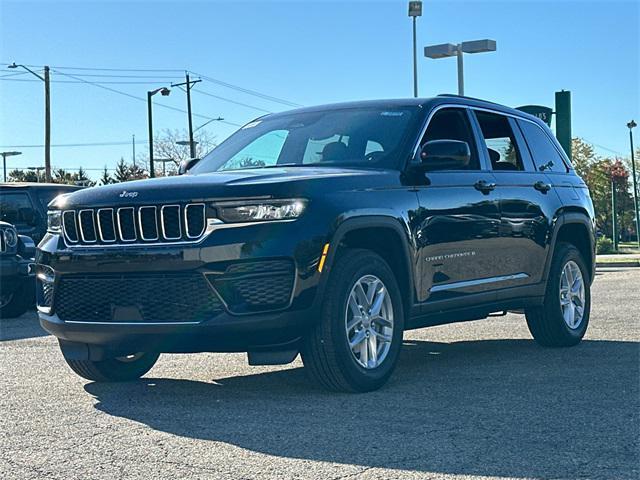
[(543, 113)]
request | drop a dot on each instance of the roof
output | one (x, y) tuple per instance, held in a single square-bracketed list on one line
[(408, 102)]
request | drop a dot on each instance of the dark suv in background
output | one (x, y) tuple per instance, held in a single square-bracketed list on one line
[(325, 231)]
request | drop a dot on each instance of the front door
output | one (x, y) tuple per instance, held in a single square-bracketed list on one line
[(458, 219)]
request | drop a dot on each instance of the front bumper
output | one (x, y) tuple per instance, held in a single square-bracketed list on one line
[(239, 326)]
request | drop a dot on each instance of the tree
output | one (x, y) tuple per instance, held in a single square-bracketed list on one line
[(126, 172), (583, 156), (165, 146), (18, 175), (106, 179)]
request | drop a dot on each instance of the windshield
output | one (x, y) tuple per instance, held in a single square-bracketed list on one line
[(360, 137)]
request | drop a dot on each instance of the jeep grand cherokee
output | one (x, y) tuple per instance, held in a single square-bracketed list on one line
[(325, 231)]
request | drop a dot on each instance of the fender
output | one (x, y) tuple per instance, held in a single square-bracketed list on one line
[(371, 221), (566, 218)]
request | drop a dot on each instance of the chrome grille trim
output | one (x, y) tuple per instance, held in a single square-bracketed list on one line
[(155, 218), (162, 222), (113, 227), (133, 218), (93, 222), (64, 229), (132, 225), (186, 219)]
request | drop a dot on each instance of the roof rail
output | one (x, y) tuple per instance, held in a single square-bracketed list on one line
[(468, 98)]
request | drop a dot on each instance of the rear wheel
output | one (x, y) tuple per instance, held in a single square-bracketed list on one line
[(563, 319), (115, 369), (356, 344)]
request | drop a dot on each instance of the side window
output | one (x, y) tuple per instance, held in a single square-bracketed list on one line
[(542, 150), (16, 208), (501, 141), (329, 149), (263, 151), (453, 124)]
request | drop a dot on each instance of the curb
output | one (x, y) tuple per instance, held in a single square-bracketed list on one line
[(628, 263)]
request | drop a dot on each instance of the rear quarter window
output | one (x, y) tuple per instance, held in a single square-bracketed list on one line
[(543, 150)]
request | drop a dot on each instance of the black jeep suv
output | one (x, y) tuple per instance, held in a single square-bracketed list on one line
[(325, 231)]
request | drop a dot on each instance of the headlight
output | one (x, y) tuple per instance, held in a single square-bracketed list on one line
[(259, 211), (54, 221), (10, 237)]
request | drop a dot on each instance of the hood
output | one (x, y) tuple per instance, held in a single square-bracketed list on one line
[(272, 182)]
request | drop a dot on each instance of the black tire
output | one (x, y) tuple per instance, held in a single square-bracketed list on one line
[(20, 301), (325, 351), (546, 323), (114, 369)]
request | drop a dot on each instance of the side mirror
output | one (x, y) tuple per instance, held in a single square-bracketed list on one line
[(444, 155), (187, 165)]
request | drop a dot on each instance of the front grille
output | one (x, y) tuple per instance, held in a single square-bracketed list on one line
[(255, 286), (136, 298), (142, 224)]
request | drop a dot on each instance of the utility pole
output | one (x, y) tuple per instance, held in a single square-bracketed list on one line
[(47, 115), (133, 144), (631, 125), (460, 71), (188, 83)]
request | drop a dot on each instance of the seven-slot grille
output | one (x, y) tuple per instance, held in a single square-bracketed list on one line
[(139, 224)]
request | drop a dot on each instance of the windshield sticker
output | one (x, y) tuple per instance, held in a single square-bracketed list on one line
[(252, 124), (391, 114)]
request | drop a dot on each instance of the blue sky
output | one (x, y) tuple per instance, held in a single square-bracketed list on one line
[(306, 53)]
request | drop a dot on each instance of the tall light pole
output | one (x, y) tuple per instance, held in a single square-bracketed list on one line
[(4, 161), (164, 91), (444, 50), (47, 116), (415, 11), (631, 125), (188, 83)]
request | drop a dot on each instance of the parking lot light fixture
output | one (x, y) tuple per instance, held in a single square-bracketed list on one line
[(164, 91), (415, 11), (4, 161), (445, 50)]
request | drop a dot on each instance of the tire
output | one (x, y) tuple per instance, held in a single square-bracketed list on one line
[(547, 323), (18, 302), (325, 351), (117, 369)]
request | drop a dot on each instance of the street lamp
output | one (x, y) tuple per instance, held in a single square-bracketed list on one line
[(47, 116), (4, 161), (452, 50), (631, 125), (164, 91), (164, 163), (415, 11)]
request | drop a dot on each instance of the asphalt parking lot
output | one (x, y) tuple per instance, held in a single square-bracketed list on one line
[(470, 400)]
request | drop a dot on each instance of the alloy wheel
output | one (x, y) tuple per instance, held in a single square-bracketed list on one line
[(369, 321), (572, 295)]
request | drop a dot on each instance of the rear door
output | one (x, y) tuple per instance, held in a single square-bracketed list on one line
[(527, 200), (458, 219), (16, 208)]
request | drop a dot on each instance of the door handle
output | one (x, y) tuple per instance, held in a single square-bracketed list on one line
[(484, 186), (542, 186)]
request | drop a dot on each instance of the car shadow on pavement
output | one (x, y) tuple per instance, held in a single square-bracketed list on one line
[(505, 408), (26, 326)]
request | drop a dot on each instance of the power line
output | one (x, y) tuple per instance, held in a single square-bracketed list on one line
[(247, 91), (94, 144), (230, 101), (122, 82), (109, 69)]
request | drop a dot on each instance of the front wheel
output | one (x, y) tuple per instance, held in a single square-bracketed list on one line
[(14, 304), (355, 345), (563, 319), (115, 369)]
